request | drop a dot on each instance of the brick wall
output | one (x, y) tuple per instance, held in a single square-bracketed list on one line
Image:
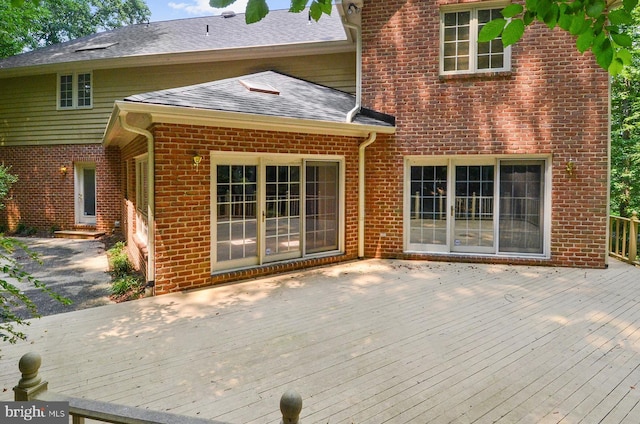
[(555, 102), (43, 198), (183, 198)]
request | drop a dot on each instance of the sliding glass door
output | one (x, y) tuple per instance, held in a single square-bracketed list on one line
[(270, 210), (477, 206)]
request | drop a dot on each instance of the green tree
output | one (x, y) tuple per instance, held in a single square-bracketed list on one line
[(11, 297), (258, 9), (598, 25), (26, 25), (625, 131)]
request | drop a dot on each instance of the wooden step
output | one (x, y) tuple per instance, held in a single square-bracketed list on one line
[(79, 234)]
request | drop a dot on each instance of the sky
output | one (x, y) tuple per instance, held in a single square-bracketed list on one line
[(164, 10)]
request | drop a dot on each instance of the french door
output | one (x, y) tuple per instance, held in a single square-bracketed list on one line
[(268, 210), (482, 206)]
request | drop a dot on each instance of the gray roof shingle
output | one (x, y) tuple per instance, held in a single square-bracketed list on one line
[(296, 99), (280, 27)]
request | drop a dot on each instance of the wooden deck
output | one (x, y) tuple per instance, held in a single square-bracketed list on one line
[(365, 342)]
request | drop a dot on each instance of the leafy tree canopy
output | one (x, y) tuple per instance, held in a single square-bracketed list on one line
[(598, 25), (258, 9), (26, 25), (625, 130)]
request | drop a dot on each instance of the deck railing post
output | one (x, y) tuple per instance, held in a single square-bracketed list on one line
[(633, 237), (30, 384), (290, 406)]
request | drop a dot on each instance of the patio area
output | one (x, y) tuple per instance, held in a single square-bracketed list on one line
[(370, 341)]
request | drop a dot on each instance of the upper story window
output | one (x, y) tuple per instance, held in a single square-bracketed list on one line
[(75, 91), (460, 51)]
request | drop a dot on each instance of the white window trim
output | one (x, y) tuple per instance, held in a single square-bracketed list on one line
[(473, 33), (450, 162), (261, 160), (74, 96)]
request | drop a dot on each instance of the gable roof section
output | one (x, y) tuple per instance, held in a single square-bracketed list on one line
[(280, 103), (156, 42)]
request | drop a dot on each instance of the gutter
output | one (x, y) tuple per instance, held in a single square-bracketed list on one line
[(361, 195), (151, 224)]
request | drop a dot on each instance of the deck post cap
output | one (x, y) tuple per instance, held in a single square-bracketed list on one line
[(290, 406), (29, 365)]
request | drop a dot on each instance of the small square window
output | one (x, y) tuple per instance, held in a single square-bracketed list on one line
[(460, 51), (75, 91)]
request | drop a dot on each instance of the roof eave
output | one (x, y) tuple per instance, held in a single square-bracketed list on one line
[(148, 114)]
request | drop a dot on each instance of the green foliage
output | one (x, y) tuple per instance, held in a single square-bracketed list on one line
[(23, 229), (625, 129), (597, 25), (119, 261), (257, 9), (126, 283), (6, 181), (26, 25)]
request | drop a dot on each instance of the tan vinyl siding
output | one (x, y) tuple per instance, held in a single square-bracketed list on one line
[(28, 114)]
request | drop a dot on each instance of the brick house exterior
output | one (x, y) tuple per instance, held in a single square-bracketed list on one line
[(552, 103), (496, 156)]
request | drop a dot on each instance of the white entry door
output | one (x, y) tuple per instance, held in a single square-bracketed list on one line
[(85, 193)]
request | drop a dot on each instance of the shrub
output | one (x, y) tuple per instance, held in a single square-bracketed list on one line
[(126, 284), (119, 261)]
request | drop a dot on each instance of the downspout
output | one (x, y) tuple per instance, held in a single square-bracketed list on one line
[(151, 224), (352, 113), (370, 139), (361, 196)]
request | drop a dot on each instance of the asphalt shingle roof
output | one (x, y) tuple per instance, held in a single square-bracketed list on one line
[(295, 98), (279, 27)]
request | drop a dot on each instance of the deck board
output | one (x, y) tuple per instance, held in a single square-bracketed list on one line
[(364, 342)]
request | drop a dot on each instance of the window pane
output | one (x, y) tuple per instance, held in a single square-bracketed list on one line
[(464, 18), (474, 206), (282, 223), (489, 54), (89, 181), (66, 91), (463, 33), (322, 206), (455, 50), (521, 207), (236, 212), (428, 223), (450, 34), (497, 61), (84, 90), (463, 50), (483, 62), (463, 63), (484, 48)]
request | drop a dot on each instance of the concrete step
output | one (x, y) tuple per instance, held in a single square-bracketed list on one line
[(79, 234)]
